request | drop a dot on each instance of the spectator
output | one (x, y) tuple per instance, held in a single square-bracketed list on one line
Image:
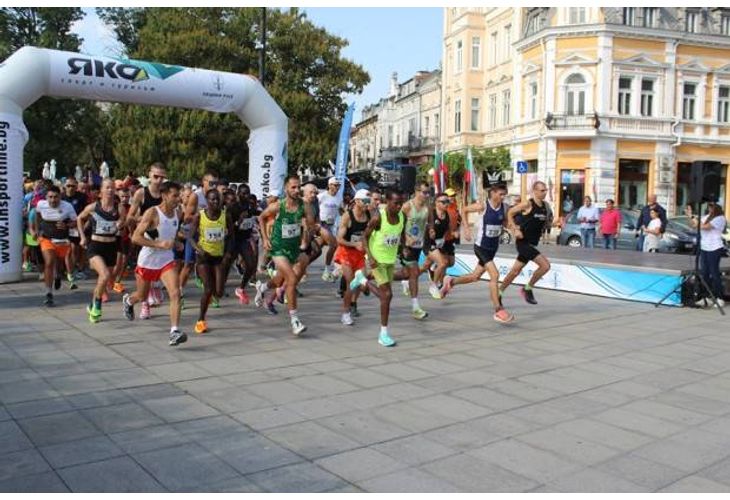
[(610, 225), (711, 248), (588, 216), (645, 218), (653, 232)]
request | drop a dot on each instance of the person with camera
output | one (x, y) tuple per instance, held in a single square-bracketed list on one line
[(712, 248)]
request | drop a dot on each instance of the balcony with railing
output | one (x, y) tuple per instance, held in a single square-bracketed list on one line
[(637, 125), (585, 122)]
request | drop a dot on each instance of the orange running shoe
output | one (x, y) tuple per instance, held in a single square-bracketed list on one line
[(201, 327), (118, 288)]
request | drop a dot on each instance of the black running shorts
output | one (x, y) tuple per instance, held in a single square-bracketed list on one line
[(484, 255), (526, 252), (106, 250)]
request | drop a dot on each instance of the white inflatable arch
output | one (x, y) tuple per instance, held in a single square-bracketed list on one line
[(31, 73)]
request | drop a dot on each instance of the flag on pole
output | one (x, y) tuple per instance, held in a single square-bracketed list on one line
[(470, 177), (343, 150), (436, 168), (443, 172)]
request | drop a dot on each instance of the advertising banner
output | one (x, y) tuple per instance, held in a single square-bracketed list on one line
[(13, 137), (267, 156), (343, 150)]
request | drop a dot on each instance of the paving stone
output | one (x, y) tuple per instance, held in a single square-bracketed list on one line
[(281, 392), (297, 478), (179, 408), (148, 438), (96, 399), (78, 384), (411, 417), (361, 464), (183, 467), (638, 422), (235, 485), (696, 484), (21, 463), (311, 439), (605, 434), (208, 427), (58, 428), (80, 451), (25, 390), (325, 385), (116, 475), (248, 452), (414, 450), (46, 482), (594, 481), (39, 407), (490, 399), (118, 418), (475, 475), (409, 481), (266, 418), (364, 377), (569, 446), (153, 391), (233, 399), (642, 472)]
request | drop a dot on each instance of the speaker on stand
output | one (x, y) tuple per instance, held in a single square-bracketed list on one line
[(408, 179)]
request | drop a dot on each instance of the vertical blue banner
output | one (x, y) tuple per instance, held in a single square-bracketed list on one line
[(343, 149)]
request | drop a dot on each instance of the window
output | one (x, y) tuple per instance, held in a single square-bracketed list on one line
[(476, 52), (577, 15), (494, 50), (506, 102), (459, 56), (624, 95), (508, 42), (457, 116), (493, 111), (412, 128), (647, 97), (575, 95), (533, 100), (650, 17), (688, 102), (475, 114), (691, 21), (723, 104), (426, 126), (437, 125), (390, 136), (629, 15), (725, 24)]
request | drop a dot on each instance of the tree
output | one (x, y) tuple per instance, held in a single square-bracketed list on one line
[(485, 160), (306, 75), (67, 130)]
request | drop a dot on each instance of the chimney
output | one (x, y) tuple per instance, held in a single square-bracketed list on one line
[(393, 85)]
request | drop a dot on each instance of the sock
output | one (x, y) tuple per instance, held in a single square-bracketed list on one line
[(292, 314), (383, 330), (49, 290), (414, 303), (173, 329), (528, 287)]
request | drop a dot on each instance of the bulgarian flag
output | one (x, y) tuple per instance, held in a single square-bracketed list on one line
[(470, 177), (436, 171), (443, 172)]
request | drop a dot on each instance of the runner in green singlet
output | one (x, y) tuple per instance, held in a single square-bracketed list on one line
[(283, 244)]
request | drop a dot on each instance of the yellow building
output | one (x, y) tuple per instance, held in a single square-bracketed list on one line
[(608, 102)]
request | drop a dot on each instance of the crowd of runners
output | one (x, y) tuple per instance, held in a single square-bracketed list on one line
[(164, 232)]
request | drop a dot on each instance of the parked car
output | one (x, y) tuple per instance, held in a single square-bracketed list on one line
[(684, 221), (674, 240)]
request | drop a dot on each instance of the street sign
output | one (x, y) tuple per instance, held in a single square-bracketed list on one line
[(521, 167)]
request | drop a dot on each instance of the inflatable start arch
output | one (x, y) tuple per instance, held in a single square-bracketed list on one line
[(31, 73)]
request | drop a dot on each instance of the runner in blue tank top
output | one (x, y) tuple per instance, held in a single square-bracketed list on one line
[(493, 217)]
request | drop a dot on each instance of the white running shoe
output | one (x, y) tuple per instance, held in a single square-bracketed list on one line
[(328, 276), (435, 292), (406, 288), (297, 327), (258, 300), (347, 319)]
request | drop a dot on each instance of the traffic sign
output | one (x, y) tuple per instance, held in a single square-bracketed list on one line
[(521, 167)]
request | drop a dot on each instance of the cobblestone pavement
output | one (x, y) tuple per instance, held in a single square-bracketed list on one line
[(580, 394)]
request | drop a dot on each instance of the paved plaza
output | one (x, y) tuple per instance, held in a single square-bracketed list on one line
[(580, 395)]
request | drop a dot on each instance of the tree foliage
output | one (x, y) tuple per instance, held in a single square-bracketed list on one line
[(305, 74), (70, 131), (485, 160)]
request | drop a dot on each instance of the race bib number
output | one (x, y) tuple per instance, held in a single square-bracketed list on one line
[(214, 234), (291, 230), (61, 241), (439, 243), (491, 231), (391, 240), (247, 224), (73, 232), (106, 227), (356, 238)]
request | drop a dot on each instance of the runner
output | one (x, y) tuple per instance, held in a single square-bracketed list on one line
[(283, 242), (196, 202), (157, 234), (441, 250), (533, 215), (418, 221), (350, 252), (107, 218), (244, 216), (329, 210), (493, 217), (75, 256), (125, 244), (211, 227), (53, 219), (383, 235)]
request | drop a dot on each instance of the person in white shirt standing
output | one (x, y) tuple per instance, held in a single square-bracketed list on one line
[(712, 226), (329, 210), (653, 232), (588, 216)]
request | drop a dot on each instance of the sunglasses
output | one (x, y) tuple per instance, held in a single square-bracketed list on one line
[(426, 193), (365, 201), (445, 202), (155, 176), (68, 186)]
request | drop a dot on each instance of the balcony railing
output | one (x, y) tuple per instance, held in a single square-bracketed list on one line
[(639, 125), (572, 122)]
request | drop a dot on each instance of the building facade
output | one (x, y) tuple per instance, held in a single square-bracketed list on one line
[(608, 102)]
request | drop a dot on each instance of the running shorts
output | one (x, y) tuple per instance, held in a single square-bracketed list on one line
[(104, 249), (383, 273), (60, 248), (410, 256), (350, 257), (484, 255), (208, 260), (526, 252), (291, 254), (153, 275)]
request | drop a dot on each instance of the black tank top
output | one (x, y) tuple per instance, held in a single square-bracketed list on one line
[(533, 223), (440, 226), (104, 223), (357, 228), (148, 201)]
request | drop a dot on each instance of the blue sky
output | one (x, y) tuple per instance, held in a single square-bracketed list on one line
[(382, 40)]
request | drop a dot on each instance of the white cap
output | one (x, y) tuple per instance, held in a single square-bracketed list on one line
[(362, 194), (333, 180)]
